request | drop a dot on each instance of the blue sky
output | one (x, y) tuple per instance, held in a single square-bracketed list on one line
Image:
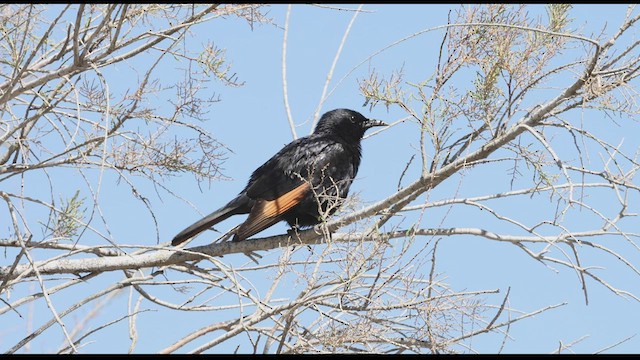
[(251, 121)]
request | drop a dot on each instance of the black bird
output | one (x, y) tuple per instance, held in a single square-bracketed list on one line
[(308, 178)]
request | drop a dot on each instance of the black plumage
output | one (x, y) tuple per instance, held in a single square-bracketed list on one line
[(310, 177)]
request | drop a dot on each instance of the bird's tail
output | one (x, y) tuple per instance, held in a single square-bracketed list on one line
[(239, 205)]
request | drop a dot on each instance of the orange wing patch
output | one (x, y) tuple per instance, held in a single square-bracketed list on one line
[(266, 213)]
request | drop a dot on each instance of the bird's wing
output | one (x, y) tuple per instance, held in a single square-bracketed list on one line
[(285, 180), (268, 212)]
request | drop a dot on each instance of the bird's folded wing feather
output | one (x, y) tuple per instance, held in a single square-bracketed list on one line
[(267, 212)]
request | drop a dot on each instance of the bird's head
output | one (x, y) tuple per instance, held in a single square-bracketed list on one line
[(345, 123)]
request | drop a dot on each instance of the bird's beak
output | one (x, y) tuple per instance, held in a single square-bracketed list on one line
[(373, 122)]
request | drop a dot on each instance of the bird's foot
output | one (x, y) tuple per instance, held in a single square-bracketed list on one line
[(293, 231), (323, 229)]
